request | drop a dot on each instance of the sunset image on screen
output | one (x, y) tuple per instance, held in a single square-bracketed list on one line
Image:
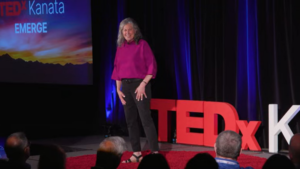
[(46, 32), (68, 37)]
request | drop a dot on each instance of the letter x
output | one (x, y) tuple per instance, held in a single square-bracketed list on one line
[(24, 5), (248, 131)]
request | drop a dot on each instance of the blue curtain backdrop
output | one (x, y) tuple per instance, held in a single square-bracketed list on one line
[(243, 52)]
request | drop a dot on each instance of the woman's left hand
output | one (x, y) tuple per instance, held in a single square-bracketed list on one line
[(140, 92)]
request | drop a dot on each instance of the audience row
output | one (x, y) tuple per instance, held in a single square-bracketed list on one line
[(227, 149)]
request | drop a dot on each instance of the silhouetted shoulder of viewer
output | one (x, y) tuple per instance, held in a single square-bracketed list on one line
[(52, 156), (151, 161), (278, 161), (202, 160)]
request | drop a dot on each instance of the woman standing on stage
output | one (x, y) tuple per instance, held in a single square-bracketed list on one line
[(134, 67)]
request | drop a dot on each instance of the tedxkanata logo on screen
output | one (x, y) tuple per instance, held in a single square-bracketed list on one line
[(33, 7)]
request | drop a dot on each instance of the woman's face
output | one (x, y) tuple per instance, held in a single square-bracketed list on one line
[(128, 32)]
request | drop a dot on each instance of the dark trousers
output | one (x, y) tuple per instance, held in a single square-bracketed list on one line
[(133, 108)]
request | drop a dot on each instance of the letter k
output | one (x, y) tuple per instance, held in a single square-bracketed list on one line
[(31, 8), (281, 126)]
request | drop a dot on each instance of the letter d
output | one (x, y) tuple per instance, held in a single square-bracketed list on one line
[(211, 110)]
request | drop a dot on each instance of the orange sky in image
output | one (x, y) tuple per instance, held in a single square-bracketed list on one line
[(80, 58), (62, 60), (62, 45)]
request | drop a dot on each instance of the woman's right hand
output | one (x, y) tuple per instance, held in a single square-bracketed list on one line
[(121, 96)]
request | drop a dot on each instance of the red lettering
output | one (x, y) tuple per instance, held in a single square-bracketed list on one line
[(17, 8), (9, 9), (229, 114), (248, 131), (163, 106), (12, 8), (209, 122), (185, 122), (1, 8), (23, 5)]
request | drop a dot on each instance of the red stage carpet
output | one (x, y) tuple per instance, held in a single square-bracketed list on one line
[(176, 159)]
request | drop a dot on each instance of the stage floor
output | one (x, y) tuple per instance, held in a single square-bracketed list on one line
[(77, 146)]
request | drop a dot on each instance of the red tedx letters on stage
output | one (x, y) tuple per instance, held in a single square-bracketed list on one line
[(209, 122)]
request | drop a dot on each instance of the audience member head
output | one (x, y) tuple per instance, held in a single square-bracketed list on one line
[(228, 145), (17, 147), (157, 161), (278, 161), (294, 149), (114, 144), (109, 153), (202, 160), (52, 156)]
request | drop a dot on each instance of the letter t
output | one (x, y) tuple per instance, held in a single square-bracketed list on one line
[(163, 106)]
